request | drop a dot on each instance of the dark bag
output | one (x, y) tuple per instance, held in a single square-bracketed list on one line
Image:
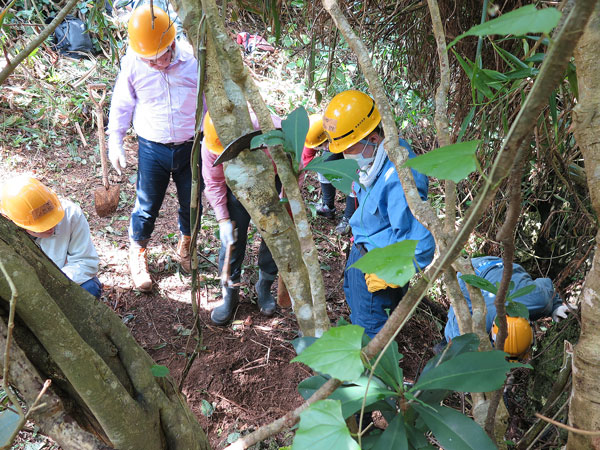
[(71, 38)]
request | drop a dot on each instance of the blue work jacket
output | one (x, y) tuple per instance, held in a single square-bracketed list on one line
[(540, 302), (383, 216)]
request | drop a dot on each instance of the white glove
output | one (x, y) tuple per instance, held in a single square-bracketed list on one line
[(226, 232), (560, 313), (116, 153)]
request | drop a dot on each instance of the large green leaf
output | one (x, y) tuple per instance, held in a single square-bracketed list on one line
[(516, 309), (452, 162), (341, 172), (526, 19), (9, 423), (460, 344), (336, 353), (295, 128), (394, 436), (469, 372), (393, 263), (479, 282), (322, 427), (388, 368), (351, 395), (523, 291), (268, 139), (453, 430)]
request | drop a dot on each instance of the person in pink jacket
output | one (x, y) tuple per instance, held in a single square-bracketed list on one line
[(230, 214)]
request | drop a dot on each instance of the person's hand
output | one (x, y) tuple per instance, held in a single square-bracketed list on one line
[(374, 283), (560, 313), (226, 232), (116, 154)]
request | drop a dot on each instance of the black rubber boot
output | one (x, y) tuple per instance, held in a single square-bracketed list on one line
[(221, 315), (266, 302)]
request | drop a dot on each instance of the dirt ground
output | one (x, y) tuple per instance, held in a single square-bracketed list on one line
[(242, 377)]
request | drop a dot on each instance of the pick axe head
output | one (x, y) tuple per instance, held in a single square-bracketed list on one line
[(236, 147)]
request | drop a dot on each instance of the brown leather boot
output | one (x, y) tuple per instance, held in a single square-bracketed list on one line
[(138, 265), (183, 253)]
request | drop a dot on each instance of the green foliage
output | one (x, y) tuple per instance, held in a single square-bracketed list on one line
[(337, 353), (393, 263), (159, 371), (458, 367), (452, 429), (295, 127), (526, 19), (10, 421), (341, 173), (468, 372), (323, 428), (452, 162), (513, 308)]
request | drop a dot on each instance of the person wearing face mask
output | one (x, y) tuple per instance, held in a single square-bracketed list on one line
[(317, 140), (156, 89), (352, 124)]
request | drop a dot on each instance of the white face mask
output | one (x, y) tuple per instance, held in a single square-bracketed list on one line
[(359, 158)]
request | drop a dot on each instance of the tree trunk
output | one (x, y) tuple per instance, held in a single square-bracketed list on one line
[(585, 398), (90, 355)]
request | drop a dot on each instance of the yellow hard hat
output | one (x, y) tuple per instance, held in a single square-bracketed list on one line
[(30, 204), (146, 41), (349, 117), (211, 139), (316, 135), (520, 336)]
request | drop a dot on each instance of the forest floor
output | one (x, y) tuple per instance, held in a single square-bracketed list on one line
[(242, 377)]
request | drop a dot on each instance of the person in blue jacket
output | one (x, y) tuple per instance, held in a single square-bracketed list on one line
[(542, 302), (352, 124)]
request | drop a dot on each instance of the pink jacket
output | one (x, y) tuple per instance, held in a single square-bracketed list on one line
[(215, 187)]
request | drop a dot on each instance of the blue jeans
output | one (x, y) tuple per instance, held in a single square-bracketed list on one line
[(239, 215), (93, 286), (368, 309), (156, 164)]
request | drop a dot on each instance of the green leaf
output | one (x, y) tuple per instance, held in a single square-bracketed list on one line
[(519, 74), (521, 292), (469, 372), (466, 64), (460, 344), (451, 162), (388, 368), (341, 173), (513, 60), (526, 19), (322, 427), (479, 282), (351, 395), (453, 430), (9, 423), (294, 129), (4, 11), (516, 309), (393, 263), (268, 139), (336, 353), (302, 343), (465, 124), (159, 371), (206, 408), (394, 436)]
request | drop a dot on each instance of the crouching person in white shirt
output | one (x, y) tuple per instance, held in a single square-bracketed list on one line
[(58, 226)]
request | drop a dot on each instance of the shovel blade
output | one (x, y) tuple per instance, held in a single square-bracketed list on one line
[(106, 200), (236, 147)]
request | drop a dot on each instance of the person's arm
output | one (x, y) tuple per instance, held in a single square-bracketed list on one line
[(122, 103), (82, 259), (215, 187)]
